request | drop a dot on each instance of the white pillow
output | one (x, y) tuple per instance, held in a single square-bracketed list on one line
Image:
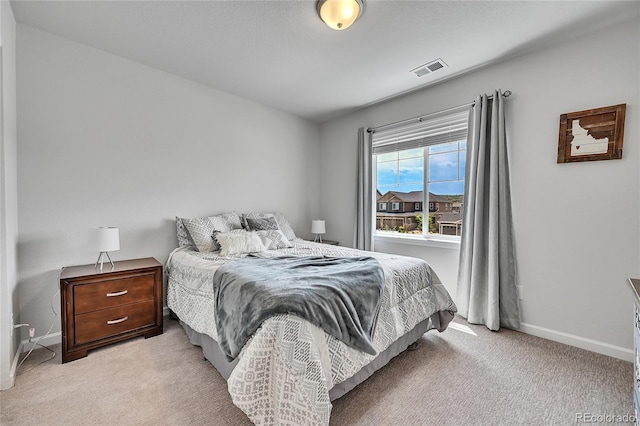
[(239, 242), (273, 239)]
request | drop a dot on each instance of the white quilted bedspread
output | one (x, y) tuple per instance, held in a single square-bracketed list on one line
[(286, 370)]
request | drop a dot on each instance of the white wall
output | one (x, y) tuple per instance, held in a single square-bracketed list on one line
[(577, 224), (8, 196), (107, 141)]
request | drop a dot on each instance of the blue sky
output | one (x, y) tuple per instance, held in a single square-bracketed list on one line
[(402, 171)]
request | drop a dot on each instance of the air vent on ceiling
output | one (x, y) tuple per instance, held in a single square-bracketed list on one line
[(432, 66)]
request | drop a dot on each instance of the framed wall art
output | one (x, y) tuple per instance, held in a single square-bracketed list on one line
[(593, 134)]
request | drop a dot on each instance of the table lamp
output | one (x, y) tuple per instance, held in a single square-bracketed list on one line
[(318, 228), (104, 240)]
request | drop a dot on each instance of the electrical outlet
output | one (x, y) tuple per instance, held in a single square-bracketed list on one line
[(520, 291)]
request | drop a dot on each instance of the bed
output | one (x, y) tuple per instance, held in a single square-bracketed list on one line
[(290, 370)]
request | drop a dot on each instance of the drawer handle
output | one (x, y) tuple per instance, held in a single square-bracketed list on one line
[(117, 321), (118, 293)]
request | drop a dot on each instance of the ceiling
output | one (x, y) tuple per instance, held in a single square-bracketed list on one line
[(279, 53)]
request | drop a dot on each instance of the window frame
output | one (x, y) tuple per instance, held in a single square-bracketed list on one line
[(425, 238)]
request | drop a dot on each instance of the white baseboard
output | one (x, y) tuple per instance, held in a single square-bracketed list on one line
[(48, 340), (579, 342), (9, 382)]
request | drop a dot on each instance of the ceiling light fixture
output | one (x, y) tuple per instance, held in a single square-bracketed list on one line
[(339, 14)]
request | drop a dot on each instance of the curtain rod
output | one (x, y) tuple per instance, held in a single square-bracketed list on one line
[(506, 94)]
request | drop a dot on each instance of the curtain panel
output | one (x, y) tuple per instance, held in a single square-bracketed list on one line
[(487, 270), (363, 227)]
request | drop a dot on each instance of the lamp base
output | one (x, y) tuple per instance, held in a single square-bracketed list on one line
[(101, 260), (318, 238)]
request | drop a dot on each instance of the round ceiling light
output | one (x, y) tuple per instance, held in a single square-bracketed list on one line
[(339, 14)]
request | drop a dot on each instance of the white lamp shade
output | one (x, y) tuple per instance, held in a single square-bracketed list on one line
[(104, 239), (318, 227)]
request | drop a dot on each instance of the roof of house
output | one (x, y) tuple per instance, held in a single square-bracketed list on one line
[(438, 198), (416, 197), (450, 218)]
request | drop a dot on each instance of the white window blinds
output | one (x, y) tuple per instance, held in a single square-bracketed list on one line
[(422, 132)]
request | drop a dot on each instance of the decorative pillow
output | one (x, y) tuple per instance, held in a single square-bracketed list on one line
[(273, 239), (201, 229), (262, 224), (215, 234), (214, 237), (283, 223), (239, 242), (182, 234)]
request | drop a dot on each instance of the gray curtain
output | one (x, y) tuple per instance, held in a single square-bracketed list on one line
[(487, 271), (363, 229)]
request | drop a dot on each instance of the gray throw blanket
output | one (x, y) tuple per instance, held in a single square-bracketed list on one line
[(340, 295)]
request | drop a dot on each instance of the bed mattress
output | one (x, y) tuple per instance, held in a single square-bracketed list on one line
[(290, 370)]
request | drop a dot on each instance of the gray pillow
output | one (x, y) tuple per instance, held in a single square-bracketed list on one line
[(262, 224), (283, 223)]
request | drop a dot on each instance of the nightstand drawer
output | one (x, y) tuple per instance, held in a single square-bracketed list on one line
[(115, 292), (109, 322)]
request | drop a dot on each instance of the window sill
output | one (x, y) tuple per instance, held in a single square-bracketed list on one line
[(448, 243)]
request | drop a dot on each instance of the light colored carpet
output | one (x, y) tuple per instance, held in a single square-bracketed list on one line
[(464, 376)]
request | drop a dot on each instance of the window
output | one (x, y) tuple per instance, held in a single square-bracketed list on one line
[(422, 163), (382, 206)]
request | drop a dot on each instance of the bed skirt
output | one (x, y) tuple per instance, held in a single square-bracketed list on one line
[(213, 353)]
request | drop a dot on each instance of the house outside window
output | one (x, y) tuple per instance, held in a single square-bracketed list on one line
[(422, 165), (382, 206)]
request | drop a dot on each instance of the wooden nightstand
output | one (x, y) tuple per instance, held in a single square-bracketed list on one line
[(99, 308)]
